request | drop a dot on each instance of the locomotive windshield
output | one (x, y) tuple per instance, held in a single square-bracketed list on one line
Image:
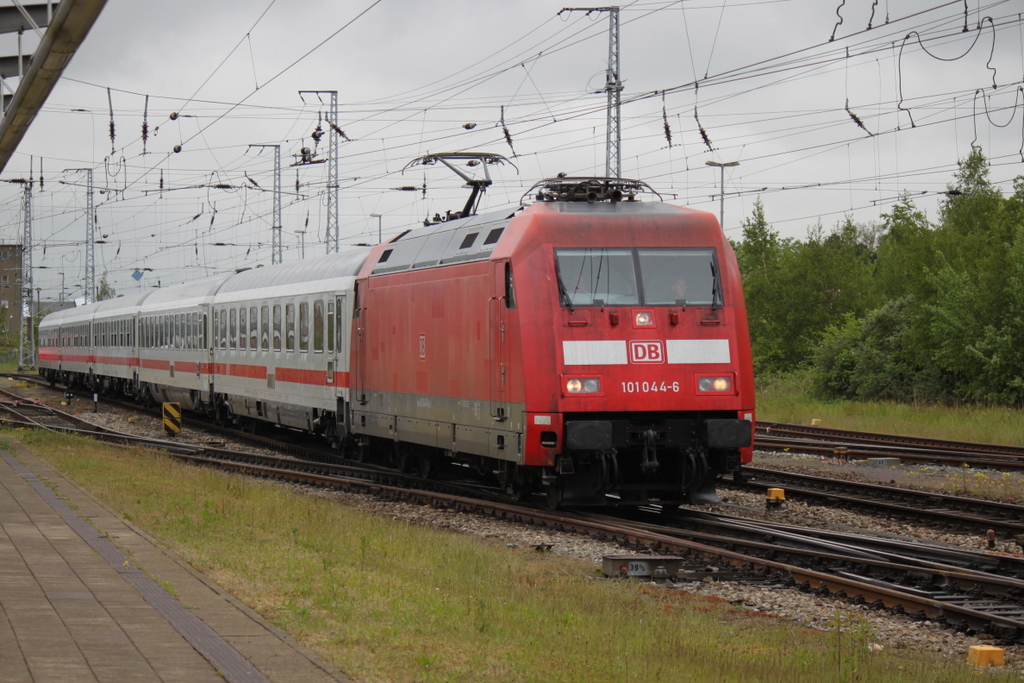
[(634, 277)]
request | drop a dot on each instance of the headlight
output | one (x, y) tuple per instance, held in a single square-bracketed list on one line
[(583, 385), (715, 384), (643, 319)]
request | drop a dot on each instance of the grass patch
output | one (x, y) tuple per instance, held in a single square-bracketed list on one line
[(787, 399), (385, 600)]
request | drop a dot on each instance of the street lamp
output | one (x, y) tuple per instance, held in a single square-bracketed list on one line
[(721, 206), (379, 217)]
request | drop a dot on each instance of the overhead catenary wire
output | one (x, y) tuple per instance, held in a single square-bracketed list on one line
[(530, 127)]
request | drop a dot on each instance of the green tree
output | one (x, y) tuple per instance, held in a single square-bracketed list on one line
[(826, 279), (104, 290), (760, 256), (905, 253)]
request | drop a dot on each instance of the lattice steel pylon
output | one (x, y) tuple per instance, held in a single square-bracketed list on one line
[(90, 243), (276, 246), (26, 332), (613, 87), (334, 132), (332, 176), (90, 237)]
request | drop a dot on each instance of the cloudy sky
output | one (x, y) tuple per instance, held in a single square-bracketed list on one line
[(832, 109)]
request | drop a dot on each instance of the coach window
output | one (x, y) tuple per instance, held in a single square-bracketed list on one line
[(233, 328), (289, 327), (166, 341), (243, 330), (330, 327), (318, 326), (265, 328), (303, 326), (276, 327), (223, 329), (254, 328)]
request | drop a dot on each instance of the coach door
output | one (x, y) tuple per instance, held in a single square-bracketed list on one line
[(498, 357), (359, 345), (337, 346)]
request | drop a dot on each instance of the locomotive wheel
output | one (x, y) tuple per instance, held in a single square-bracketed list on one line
[(401, 458), (555, 496), (426, 463), (520, 487)]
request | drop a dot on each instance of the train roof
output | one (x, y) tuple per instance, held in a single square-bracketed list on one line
[(186, 294), (323, 271), (467, 239), (67, 316), (615, 209)]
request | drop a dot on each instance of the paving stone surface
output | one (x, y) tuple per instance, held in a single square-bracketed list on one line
[(70, 612)]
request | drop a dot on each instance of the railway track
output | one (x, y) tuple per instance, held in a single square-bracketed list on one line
[(968, 590), (939, 509), (851, 445), (966, 598), (875, 439)]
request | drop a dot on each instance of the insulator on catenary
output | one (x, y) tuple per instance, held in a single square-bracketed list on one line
[(110, 101), (664, 118), (856, 119), (145, 125), (340, 132)]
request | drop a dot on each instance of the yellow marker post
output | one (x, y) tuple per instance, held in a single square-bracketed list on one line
[(172, 419), (985, 655)]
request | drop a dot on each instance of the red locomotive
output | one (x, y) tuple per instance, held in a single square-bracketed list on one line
[(590, 346)]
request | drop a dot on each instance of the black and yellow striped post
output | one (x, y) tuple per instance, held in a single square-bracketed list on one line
[(172, 419)]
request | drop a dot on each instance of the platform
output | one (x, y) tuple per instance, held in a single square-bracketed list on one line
[(81, 599)]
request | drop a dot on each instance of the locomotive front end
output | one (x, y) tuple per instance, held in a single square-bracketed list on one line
[(650, 389)]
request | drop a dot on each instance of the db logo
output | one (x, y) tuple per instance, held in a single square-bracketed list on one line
[(646, 352)]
